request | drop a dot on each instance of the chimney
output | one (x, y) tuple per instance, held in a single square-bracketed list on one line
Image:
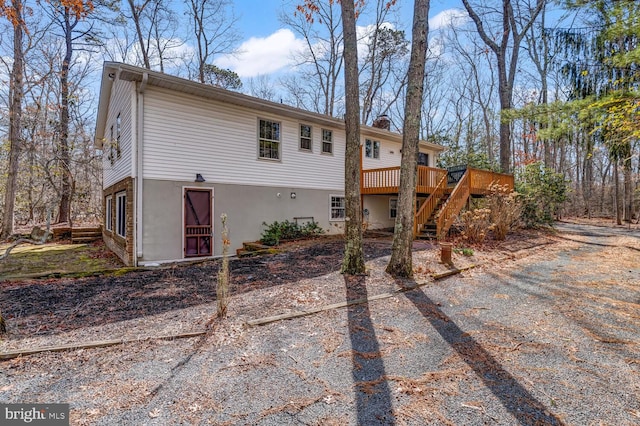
[(382, 122)]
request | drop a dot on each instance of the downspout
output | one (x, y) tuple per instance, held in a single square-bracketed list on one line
[(139, 168)]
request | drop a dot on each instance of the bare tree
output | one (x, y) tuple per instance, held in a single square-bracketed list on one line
[(213, 26), (14, 12), (384, 65), (353, 262), (318, 23), (513, 25), (155, 26), (401, 263)]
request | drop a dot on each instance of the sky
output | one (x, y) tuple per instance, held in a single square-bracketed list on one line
[(267, 45)]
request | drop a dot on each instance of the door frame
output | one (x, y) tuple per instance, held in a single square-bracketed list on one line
[(184, 217)]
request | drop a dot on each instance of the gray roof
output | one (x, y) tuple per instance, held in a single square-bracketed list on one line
[(113, 70)]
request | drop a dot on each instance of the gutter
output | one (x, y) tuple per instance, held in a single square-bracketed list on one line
[(138, 166)]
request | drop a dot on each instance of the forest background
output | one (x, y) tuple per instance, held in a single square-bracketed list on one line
[(545, 89)]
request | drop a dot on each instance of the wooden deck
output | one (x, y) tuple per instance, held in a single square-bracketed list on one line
[(387, 180), (447, 191)]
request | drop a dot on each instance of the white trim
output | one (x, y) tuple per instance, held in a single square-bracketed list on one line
[(373, 149), (108, 214), (279, 141), (213, 226), (323, 141), (151, 263), (300, 148), (331, 196), (389, 211), (119, 196)]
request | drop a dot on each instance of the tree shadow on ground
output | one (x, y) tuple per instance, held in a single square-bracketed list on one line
[(526, 409), (373, 396)]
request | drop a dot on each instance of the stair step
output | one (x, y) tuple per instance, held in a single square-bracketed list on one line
[(249, 253), (254, 246), (81, 240)]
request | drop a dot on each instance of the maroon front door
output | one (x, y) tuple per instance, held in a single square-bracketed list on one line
[(197, 223)]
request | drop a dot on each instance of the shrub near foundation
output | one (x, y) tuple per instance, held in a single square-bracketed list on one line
[(505, 208), (286, 230), (475, 225)]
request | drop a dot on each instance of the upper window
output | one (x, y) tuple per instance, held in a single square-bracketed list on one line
[(118, 129), (337, 208), (112, 148), (121, 214), (393, 208), (269, 140), (108, 214), (423, 159), (305, 137), (371, 149), (327, 141)]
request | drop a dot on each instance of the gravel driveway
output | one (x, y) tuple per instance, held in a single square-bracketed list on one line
[(544, 336)]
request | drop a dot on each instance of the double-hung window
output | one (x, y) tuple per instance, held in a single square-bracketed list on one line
[(118, 130), (327, 141), (112, 147), (337, 208), (305, 137), (121, 214), (372, 149), (108, 214), (269, 140)]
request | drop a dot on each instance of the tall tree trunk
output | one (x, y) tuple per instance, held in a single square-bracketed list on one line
[(353, 262), (617, 198), (587, 176), (628, 189), (15, 121), (64, 155), (401, 258)]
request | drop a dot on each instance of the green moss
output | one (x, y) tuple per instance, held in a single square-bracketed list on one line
[(54, 260)]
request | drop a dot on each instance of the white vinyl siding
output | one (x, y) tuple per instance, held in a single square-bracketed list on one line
[(119, 106), (185, 135), (389, 155), (336, 207), (108, 214), (121, 214)]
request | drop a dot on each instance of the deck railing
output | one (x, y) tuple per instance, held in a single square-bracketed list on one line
[(452, 207), (430, 204), (480, 180), (387, 180)]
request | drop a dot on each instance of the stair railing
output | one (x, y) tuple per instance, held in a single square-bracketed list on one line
[(449, 211), (427, 208)]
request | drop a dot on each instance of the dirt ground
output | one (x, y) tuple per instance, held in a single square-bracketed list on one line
[(544, 331)]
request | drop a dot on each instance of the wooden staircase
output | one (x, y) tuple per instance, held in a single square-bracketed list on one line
[(85, 235), (443, 206), (439, 211)]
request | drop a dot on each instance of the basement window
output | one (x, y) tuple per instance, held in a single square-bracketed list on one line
[(337, 210), (121, 214), (108, 213)]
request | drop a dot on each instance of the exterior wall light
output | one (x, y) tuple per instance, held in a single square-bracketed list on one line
[(199, 178)]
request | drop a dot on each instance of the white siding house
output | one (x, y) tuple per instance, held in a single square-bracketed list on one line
[(182, 153)]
